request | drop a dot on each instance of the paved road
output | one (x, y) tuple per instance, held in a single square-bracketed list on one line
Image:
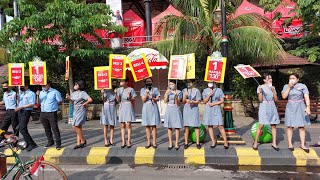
[(124, 172)]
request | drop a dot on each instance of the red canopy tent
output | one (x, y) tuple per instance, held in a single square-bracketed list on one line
[(295, 28), (169, 11), (135, 25), (246, 7)]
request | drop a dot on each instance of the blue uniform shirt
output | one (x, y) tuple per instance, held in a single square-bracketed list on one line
[(10, 100), (49, 100), (27, 97)]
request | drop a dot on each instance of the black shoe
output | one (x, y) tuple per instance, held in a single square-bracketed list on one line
[(213, 146), (147, 147), (177, 148), (82, 145), (226, 147), (77, 146), (111, 144), (315, 145), (31, 147), (58, 147), (129, 146), (48, 145), (170, 147), (305, 150), (154, 146), (123, 146), (291, 149), (107, 145), (275, 148), (199, 146), (186, 146)]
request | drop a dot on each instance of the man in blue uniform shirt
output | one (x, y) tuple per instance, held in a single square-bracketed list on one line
[(49, 99), (27, 100), (10, 101)]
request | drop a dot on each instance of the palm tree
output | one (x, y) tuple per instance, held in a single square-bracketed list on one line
[(250, 38)]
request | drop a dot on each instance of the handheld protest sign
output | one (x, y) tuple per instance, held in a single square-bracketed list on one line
[(102, 78), (16, 74), (178, 67), (139, 67), (247, 71), (191, 66), (117, 63), (215, 68), (38, 72)]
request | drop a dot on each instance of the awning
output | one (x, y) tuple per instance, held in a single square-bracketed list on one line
[(155, 59)]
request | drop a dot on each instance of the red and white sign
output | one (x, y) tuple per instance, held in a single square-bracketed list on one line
[(102, 78), (215, 69), (139, 67), (178, 67), (67, 69), (117, 64), (38, 73), (16, 74), (155, 59), (247, 71)]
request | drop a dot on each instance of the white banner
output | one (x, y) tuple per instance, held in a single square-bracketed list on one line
[(116, 7)]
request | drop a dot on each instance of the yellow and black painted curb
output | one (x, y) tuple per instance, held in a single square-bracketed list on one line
[(239, 156)]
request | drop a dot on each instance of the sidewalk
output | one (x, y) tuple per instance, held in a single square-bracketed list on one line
[(96, 153)]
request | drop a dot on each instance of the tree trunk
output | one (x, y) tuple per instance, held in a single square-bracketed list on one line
[(71, 83)]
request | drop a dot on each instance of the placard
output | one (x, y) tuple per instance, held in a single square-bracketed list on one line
[(191, 66), (102, 78), (67, 69), (38, 72), (139, 67), (215, 69), (117, 63), (247, 71), (16, 74), (178, 67)]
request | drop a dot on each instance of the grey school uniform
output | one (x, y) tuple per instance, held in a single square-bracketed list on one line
[(268, 113), (212, 115), (150, 110), (191, 115), (295, 115), (126, 112), (109, 113), (173, 116), (79, 113)]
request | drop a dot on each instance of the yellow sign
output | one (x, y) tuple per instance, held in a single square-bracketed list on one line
[(102, 78), (191, 66), (38, 72), (139, 67), (16, 74), (215, 69)]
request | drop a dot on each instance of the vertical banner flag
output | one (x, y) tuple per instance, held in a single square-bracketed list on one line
[(38, 72), (16, 74), (191, 66), (67, 69), (116, 7), (247, 71), (102, 78), (215, 69), (117, 63), (139, 67), (178, 66)]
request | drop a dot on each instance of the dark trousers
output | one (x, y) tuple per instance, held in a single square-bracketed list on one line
[(49, 121), (24, 116), (10, 118)]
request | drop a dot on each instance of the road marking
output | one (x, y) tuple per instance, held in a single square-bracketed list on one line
[(248, 156), (194, 155), (303, 158), (97, 155), (144, 156), (53, 155)]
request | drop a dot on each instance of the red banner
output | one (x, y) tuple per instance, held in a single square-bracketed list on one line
[(38, 73), (117, 64), (16, 74), (102, 78), (178, 67), (247, 71), (215, 69), (139, 67)]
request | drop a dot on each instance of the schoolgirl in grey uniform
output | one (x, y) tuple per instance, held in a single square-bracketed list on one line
[(150, 111), (124, 96), (191, 114), (79, 98), (268, 113), (213, 97), (109, 113), (173, 116), (297, 110)]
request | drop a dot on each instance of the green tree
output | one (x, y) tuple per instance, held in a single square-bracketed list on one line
[(250, 40), (309, 12), (61, 21)]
